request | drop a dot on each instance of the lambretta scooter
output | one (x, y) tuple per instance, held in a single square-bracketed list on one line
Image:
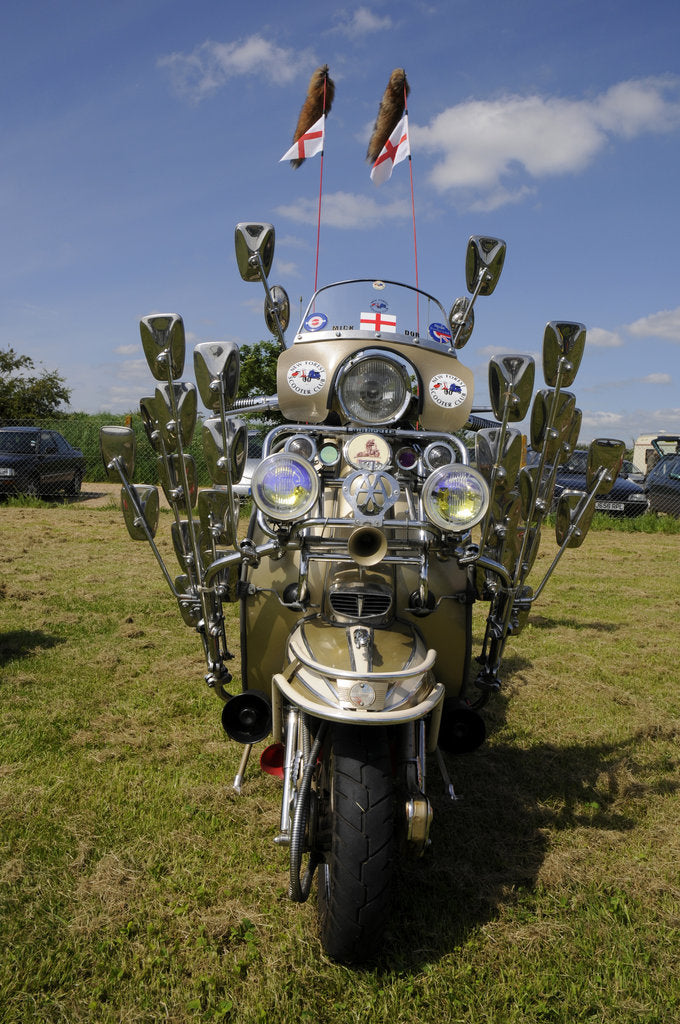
[(372, 535)]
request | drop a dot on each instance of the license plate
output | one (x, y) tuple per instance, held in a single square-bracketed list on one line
[(610, 506)]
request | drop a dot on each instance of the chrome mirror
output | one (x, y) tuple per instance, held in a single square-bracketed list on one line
[(277, 310), (181, 542), (461, 322), (164, 344), (254, 250), (572, 508), (571, 439), (483, 264), (549, 426), (188, 600), (487, 454), (150, 422), (217, 368), (604, 454), (215, 516), (147, 504), (511, 377), (225, 456), (118, 445), (527, 483), (170, 479), (563, 344), (182, 428)]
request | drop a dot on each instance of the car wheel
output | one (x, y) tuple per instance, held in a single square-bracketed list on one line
[(31, 489), (73, 488)]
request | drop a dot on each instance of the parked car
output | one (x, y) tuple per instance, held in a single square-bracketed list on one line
[(630, 472), (663, 485), (625, 498), (37, 462)]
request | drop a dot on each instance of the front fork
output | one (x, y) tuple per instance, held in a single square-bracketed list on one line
[(412, 759)]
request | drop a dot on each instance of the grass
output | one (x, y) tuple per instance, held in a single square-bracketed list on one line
[(135, 887)]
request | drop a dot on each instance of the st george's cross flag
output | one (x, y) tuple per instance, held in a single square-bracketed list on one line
[(393, 152), (309, 144), (377, 322)]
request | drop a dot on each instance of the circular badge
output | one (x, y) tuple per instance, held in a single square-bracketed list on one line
[(306, 377), (447, 390), (367, 451), (315, 322), (379, 285), (440, 333)]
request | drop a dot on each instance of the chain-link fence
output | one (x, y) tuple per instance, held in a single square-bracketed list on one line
[(56, 456)]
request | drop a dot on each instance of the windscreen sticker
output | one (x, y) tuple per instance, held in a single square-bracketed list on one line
[(306, 377), (378, 322), (379, 306), (440, 333), (447, 390), (315, 322)]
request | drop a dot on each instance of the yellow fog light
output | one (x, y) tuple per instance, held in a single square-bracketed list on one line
[(285, 486), (455, 497)]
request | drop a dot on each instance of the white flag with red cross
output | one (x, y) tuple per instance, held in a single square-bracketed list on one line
[(309, 144), (393, 152), (377, 322)]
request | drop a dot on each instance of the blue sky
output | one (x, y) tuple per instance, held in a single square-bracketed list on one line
[(136, 133)]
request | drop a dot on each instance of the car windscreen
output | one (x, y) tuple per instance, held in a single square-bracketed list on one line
[(16, 442)]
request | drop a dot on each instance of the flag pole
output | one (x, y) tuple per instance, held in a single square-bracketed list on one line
[(413, 208), (318, 223)]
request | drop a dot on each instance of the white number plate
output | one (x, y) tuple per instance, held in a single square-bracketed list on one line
[(610, 506)]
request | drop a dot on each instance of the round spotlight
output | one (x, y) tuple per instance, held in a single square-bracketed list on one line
[(285, 486), (455, 497)]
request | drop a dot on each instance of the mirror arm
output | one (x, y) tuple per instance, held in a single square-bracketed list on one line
[(509, 395), (256, 261), (484, 276), (117, 464), (590, 499)]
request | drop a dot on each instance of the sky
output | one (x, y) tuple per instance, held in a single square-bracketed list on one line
[(137, 133)]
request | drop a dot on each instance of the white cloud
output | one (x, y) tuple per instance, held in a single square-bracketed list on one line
[(363, 21), (483, 144), (665, 324), (345, 210), (599, 338), (207, 68), (656, 378), (629, 424)]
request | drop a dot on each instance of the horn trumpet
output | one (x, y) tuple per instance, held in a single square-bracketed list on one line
[(367, 545)]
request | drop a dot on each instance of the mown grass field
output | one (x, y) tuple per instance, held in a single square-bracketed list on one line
[(136, 887)]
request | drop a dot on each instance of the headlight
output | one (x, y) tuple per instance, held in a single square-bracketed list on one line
[(455, 497), (375, 387), (6, 471), (284, 486)]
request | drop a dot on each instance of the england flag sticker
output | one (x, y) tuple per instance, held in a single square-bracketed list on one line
[(447, 390)]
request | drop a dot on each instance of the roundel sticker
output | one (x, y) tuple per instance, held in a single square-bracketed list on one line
[(440, 333), (306, 377), (447, 390), (315, 322)]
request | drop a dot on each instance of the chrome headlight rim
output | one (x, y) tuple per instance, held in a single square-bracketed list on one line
[(262, 476), (477, 484), (406, 371)]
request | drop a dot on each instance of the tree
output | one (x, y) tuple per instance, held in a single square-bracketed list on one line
[(24, 395), (258, 369)]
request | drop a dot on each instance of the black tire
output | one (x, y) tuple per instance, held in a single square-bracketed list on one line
[(356, 794), (73, 489)]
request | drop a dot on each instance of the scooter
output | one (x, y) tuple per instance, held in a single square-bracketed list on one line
[(375, 528)]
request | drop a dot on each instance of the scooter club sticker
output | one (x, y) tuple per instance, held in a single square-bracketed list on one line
[(447, 390), (306, 377)]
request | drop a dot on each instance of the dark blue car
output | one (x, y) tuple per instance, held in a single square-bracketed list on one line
[(37, 462), (626, 498)]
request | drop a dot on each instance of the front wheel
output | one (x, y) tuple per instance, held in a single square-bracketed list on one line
[(356, 818)]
